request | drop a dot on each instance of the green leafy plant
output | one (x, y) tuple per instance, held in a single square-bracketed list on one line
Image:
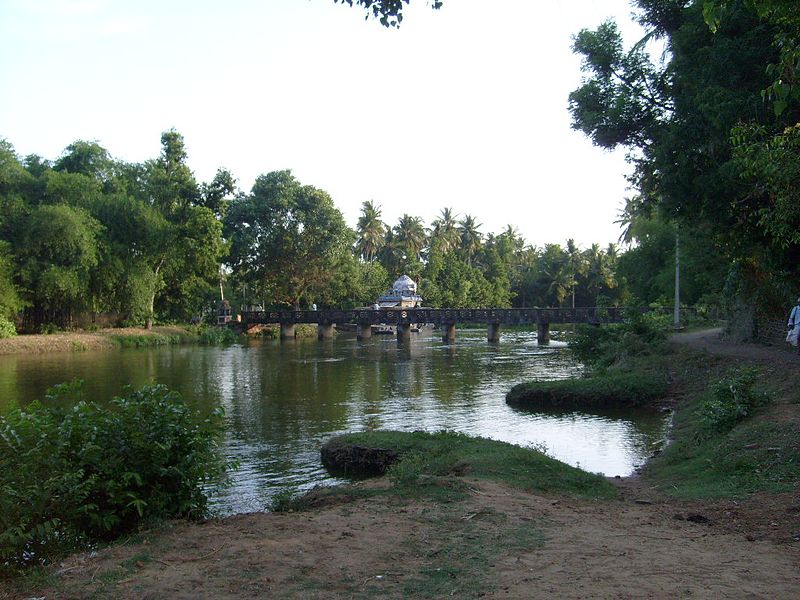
[(601, 347), (72, 476), (214, 336), (731, 399), (7, 328)]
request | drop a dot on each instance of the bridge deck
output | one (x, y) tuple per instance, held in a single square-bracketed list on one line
[(443, 316)]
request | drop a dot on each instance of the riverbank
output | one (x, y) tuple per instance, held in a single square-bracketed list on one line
[(656, 538), (102, 339)]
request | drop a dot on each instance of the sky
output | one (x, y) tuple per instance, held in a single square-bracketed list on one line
[(463, 107)]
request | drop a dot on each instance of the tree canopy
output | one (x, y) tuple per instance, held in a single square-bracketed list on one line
[(711, 128)]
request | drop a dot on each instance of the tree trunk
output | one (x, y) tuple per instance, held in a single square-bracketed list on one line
[(148, 323)]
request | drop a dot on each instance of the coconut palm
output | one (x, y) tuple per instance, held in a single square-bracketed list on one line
[(371, 232), (444, 234), (409, 236), (577, 263), (600, 273), (470, 237)]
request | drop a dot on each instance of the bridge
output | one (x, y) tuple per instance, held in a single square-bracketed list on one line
[(445, 318)]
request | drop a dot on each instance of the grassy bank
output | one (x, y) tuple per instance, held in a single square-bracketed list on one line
[(103, 339), (610, 390), (419, 462), (736, 421), (736, 430)]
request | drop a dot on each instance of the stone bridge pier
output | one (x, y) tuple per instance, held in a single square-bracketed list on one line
[(446, 318)]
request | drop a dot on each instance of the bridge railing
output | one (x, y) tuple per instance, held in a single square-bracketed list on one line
[(440, 316)]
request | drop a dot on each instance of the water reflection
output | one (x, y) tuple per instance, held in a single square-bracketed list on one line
[(283, 399)]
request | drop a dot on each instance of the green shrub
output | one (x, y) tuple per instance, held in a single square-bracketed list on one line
[(730, 400), (73, 476), (7, 328), (603, 346), (215, 336)]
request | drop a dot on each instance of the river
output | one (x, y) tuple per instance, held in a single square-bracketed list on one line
[(282, 400)]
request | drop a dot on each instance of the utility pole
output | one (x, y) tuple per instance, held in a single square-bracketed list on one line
[(677, 310)]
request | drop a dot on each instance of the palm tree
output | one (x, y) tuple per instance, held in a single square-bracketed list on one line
[(600, 272), (371, 232), (577, 264), (409, 235), (561, 282), (445, 231), (470, 237)]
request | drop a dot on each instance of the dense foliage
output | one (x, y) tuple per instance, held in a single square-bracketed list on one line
[(73, 476), (730, 400), (602, 347), (712, 130), (86, 235), (87, 240)]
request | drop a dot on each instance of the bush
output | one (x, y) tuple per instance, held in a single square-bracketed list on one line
[(601, 347), (214, 336), (730, 400), (7, 328), (73, 476)]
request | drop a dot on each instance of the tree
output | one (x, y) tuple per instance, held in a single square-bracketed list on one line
[(600, 274), (445, 237), (390, 12), (677, 118), (10, 301), (577, 264), (371, 231), (286, 238), (410, 237), (468, 229), (87, 158), (58, 250)]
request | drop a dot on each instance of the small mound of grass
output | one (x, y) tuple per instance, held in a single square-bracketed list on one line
[(144, 338), (610, 390), (418, 459)]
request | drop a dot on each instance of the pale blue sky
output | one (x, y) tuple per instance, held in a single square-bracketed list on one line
[(463, 107)]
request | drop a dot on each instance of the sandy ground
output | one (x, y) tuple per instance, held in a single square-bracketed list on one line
[(499, 543)]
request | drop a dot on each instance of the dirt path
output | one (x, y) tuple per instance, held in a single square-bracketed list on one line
[(711, 341), (499, 543)]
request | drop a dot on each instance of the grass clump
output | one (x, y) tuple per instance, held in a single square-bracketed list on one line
[(145, 340), (434, 459), (70, 477), (612, 389), (217, 336)]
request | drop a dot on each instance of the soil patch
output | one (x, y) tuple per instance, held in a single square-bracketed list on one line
[(499, 543)]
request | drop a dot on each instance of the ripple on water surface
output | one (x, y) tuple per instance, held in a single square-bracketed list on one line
[(283, 400)]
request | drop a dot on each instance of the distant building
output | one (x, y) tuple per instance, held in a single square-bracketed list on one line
[(402, 295)]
